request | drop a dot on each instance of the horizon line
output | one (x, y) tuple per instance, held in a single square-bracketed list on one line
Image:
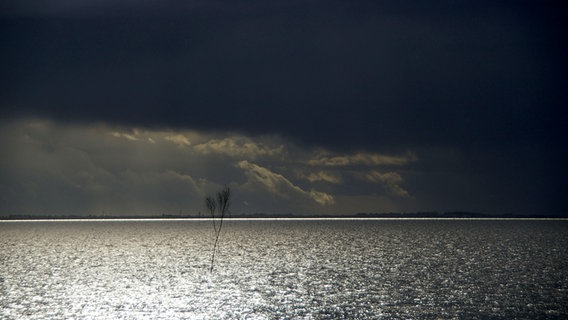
[(292, 219)]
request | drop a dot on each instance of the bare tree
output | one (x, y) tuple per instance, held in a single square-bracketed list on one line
[(218, 209)]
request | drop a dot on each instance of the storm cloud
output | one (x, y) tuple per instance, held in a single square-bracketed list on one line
[(403, 106), (341, 74)]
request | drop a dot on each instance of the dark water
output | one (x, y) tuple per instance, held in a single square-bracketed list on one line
[(372, 269)]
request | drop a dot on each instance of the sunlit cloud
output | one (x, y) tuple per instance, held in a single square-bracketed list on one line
[(325, 176), (126, 136), (239, 147), (129, 134), (278, 184), (179, 140), (391, 180), (321, 197), (367, 159)]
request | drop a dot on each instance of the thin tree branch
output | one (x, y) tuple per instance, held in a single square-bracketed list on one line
[(222, 205)]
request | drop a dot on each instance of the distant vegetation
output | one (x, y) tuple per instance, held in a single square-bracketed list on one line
[(427, 214)]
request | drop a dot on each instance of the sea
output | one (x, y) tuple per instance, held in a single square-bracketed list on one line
[(284, 269)]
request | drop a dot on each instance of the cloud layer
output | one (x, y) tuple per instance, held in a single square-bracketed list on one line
[(53, 167), (50, 167)]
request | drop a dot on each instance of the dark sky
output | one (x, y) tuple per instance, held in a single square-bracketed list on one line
[(469, 94)]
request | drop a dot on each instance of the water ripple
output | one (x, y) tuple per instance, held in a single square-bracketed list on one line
[(284, 270)]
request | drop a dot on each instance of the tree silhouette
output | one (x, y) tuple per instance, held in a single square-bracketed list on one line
[(218, 207)]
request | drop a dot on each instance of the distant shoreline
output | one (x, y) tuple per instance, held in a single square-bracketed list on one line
[(414, 215)]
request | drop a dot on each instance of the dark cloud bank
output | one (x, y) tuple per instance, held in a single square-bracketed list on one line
[(474, 89)]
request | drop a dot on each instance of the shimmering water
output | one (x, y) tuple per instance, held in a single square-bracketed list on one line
[(426, 269)]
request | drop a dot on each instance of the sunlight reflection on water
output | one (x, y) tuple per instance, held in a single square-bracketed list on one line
[(284, 269)]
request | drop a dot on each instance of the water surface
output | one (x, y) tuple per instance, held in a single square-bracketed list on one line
[(306, 269)]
